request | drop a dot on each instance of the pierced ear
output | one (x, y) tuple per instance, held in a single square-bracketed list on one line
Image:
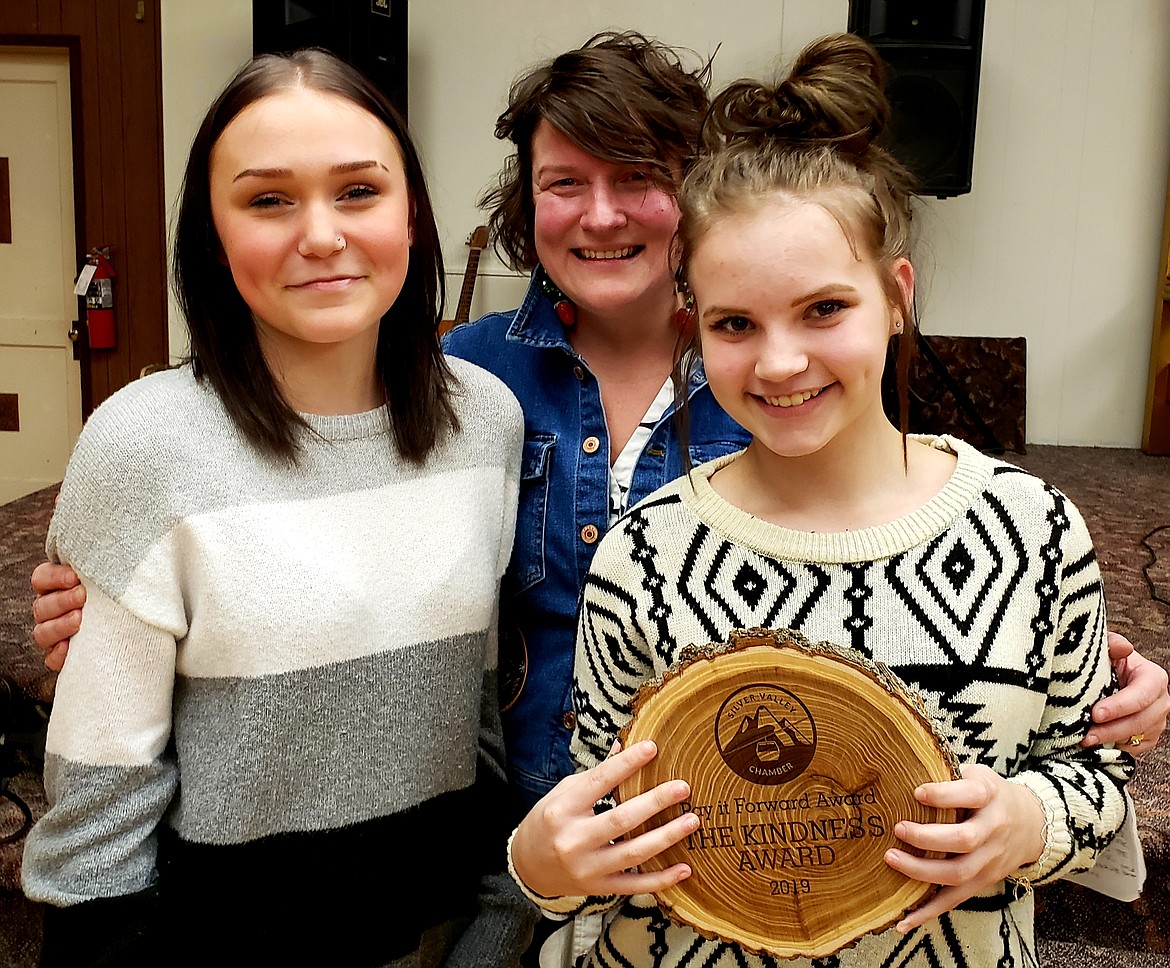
[(903, 273)]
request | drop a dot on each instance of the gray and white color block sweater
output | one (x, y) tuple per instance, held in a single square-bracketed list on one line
[(276, 740), (987, 601)]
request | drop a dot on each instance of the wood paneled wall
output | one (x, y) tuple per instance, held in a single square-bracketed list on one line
[(117, 130)]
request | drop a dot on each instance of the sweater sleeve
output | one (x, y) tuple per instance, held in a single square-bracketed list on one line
[(109, 775), (1082, 791)]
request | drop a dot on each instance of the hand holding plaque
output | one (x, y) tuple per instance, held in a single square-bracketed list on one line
[(563, 847), (801, 758)]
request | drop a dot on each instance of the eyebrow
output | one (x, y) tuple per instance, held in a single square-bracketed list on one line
[(342, 169), (825, 292), (552, 170)]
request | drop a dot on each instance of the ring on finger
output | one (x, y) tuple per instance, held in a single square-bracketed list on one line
[(1136, 739)]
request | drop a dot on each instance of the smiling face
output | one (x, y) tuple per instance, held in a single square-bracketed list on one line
[(312, 211), (602, 230), (793, 327)]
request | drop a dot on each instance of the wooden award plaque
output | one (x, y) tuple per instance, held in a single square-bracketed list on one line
[(801, 758)]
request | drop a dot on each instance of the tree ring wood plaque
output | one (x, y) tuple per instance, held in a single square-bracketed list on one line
[(801, 758)]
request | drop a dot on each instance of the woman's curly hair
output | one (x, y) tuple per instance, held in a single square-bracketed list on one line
[(621, 97)]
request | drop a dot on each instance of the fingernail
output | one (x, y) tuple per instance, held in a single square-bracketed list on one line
[(1092, 739), (901, 927), (900, 830)]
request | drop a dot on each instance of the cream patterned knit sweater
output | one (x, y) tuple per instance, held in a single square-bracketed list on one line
[(987, 601)]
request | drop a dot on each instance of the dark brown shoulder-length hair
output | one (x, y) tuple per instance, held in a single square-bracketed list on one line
[(225, 350), (621, 97)]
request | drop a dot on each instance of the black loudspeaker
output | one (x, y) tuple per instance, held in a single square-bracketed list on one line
[(369, 34), (932, 50)]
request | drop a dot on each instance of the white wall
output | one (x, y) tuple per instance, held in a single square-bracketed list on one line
[(1060, 237), (203, 44), (1057, 242)]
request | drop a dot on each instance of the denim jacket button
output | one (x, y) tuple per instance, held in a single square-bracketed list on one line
[(656, 451), (590, 445), (569, 720), (589, 534), (579, 373)]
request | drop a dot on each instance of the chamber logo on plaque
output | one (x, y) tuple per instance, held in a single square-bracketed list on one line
[(765, 734)]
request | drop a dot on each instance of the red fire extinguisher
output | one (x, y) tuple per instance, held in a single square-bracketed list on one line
[(99, 300)]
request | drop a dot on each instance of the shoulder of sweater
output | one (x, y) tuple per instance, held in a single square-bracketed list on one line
[(481, 395), (670, 494), (153, 421), (131, 470), (172, 387), (1006, 478), (1022, 494), (477, 378)]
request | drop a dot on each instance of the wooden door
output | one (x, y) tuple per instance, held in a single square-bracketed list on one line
[(115, 51), (40, 382)]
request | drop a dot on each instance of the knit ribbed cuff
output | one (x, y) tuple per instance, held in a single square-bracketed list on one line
[(1057, 837)]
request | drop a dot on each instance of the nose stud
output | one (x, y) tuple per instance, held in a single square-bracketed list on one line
[(340, 243)]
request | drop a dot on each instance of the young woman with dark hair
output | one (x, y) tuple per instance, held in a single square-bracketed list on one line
[(226, 349), (292, 549), (795, 243)]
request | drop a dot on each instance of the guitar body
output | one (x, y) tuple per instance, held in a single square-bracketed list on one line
[(476, 242)]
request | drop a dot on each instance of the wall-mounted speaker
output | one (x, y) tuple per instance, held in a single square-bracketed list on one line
[(932, 50), (369, 34)]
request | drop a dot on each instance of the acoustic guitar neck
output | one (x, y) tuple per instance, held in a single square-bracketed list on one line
[(476, 242)]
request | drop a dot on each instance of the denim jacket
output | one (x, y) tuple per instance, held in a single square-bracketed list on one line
[(564, 506)]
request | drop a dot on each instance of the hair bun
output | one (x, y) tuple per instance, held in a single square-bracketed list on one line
[(833, 94)]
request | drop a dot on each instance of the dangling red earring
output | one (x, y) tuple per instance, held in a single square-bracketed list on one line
[(685, 314), (565, 310)]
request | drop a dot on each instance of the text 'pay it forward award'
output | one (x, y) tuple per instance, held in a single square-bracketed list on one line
[(801, 758)]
